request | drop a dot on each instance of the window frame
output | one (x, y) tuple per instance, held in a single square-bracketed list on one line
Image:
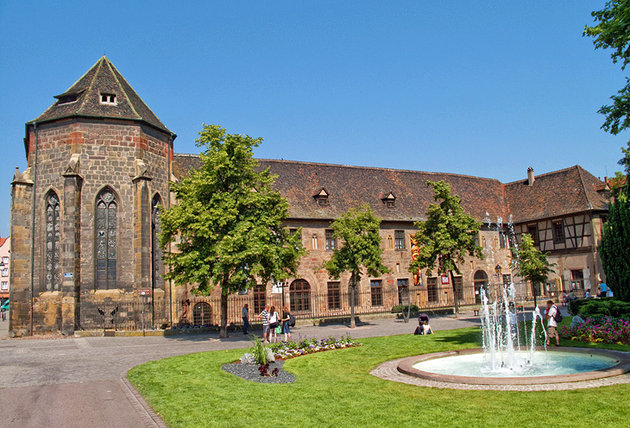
[(108, 281), (52, 242), (399, 240), (433, 290), (331, 241), (334, 295), (376, 293), (557, 228)]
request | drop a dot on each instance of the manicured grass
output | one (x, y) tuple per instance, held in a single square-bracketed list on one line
[(335, 389)]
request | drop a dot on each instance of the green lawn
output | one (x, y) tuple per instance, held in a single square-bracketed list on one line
[(335, 389)]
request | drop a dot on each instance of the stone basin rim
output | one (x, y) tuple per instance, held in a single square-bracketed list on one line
[(405, 366)]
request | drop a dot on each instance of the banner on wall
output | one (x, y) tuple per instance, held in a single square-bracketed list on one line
[(417, 276)]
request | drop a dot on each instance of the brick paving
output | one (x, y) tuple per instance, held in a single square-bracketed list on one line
[(80, 381)]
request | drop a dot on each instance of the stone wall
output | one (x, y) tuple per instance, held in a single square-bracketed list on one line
[(77, 159)]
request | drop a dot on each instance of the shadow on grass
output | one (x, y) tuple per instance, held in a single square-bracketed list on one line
[(460, 337)]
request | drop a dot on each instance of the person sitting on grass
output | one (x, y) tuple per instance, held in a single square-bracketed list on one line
[(426, 328)]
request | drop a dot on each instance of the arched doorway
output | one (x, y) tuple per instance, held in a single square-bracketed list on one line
[(480, 280), (300, 295), (202, 313)]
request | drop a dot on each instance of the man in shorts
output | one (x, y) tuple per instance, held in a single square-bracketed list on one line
[(552, 325), (265, 323)]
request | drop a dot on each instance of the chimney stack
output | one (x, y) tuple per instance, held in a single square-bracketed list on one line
[(530, 176)]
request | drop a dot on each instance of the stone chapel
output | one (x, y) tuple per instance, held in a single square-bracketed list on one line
[(98, 166)]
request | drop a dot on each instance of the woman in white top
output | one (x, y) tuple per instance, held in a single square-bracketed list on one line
[(274, 320)]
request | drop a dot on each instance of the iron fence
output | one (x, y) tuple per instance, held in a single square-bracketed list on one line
[(204, 311)]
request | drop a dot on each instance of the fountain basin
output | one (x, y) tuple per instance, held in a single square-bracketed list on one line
[(561, 365)]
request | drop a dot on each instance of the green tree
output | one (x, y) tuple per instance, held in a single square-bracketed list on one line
[(446, 236), (615, 247), (360, 248), (228, 222), (612, 31), (530, 263)]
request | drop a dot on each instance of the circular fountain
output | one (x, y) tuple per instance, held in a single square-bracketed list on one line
[(510, 356), (471, 366)]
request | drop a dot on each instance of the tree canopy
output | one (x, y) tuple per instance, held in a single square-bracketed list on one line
[(446, 236), (530, 263), (228, 222), (612, 31), (360, 248)]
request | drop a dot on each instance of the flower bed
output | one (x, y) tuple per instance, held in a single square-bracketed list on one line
[(599, 330), (286, 350)]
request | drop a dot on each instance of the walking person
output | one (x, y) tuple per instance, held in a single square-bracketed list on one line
[(265, 324), (552, 322), (286, 319), (245, 315), (274, 321)]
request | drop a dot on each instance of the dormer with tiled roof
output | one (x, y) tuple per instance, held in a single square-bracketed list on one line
[(102, 92), (321, 196)]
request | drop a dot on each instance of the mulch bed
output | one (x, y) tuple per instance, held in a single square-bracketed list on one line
[(251, 372)]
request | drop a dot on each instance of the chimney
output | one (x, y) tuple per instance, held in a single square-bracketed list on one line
[(530, 176)]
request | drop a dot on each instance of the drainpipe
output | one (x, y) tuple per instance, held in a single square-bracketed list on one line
[(33, 230)]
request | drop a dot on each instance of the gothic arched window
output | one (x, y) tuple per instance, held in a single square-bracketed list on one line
[(51, 252), (156, 251), (106, 248)]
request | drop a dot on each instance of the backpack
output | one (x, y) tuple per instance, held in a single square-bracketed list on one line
[(291, 320), (558, 316)]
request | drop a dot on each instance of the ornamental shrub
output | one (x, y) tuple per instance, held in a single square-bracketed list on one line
[(607, 306), (403, 308)]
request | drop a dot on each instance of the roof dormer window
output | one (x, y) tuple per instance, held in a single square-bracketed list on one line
[(68, 97), (389, 200), (321, 197), (109, 99)]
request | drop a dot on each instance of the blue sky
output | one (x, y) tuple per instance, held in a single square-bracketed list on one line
[(484, 88)]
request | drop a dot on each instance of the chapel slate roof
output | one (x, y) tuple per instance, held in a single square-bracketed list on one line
[(348, 186), (102, 78), (555, 194)]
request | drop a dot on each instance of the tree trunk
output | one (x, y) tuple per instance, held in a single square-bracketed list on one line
[(223, 333), (352, 300), (408, 303), (455, 299), (534, 293)]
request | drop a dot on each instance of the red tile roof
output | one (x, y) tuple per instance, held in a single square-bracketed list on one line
[(553, 194)]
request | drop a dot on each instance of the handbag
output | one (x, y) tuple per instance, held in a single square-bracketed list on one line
[(278, 330)]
